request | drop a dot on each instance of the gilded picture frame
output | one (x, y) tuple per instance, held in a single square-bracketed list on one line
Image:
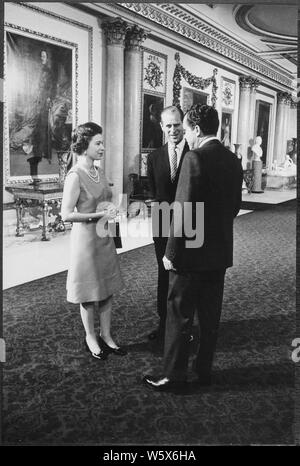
[(226, 129), (40, 103), (191, 97)]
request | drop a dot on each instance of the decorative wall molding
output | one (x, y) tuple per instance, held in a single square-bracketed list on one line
[(228, 93), (154, 73), (72, 22), (174, 18), (194, 81)]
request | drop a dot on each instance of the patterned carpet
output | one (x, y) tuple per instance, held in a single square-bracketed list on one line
[(55, 393)]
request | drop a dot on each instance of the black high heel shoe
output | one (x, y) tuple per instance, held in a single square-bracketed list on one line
[(100, 355), (119, 351)]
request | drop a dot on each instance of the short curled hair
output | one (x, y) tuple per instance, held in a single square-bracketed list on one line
[(204, 116), (82, 135)]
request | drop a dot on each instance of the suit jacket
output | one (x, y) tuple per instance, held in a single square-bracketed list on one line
[(212, 175), (159, 174)]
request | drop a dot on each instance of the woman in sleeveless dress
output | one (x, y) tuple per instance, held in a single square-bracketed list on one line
[(94, 273)]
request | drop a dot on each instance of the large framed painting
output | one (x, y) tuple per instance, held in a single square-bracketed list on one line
[(261, 127), (40, 104), (152, 135), (226, 129), (191, 97)]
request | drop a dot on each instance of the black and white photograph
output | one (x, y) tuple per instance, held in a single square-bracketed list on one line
[(149, 227)]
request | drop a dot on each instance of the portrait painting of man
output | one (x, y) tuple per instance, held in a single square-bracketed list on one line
[(39, 90), (152, 137)]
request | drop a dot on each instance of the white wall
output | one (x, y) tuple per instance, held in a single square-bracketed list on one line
[(60, 21)]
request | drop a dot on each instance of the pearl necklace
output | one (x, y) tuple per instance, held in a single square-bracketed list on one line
[(95, 177)]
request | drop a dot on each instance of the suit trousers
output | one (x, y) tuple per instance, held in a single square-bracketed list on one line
[(201, 291), (160, 244)]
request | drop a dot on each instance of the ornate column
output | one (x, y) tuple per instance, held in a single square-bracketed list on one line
[(281, 127), (254, 85), (132, 105), (243, 118), (286, 123), (293, 120), (115, 32)]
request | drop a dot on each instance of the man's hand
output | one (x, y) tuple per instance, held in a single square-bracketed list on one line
[(167, 264)]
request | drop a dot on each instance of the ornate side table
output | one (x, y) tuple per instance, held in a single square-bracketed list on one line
[(249, 179), (42, 194)]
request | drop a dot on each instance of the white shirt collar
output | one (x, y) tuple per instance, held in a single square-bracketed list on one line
[(179, 146), (205, 140)]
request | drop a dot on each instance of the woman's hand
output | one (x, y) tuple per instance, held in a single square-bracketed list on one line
[(111, 212), (107, 209)]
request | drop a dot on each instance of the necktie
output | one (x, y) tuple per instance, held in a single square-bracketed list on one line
[(173, 160)]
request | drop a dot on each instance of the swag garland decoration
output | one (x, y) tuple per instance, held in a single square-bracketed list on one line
[(194, 81)]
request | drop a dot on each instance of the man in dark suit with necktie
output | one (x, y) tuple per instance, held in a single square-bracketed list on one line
[(209, 187), (163, 166)]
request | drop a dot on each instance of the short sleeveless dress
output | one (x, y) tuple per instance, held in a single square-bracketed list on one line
[(94, 272)]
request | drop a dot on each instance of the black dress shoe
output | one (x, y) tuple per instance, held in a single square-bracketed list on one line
[(162, 383), (119, 351), (101, 355)]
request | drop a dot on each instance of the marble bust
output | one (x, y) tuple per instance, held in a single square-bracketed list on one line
[(256, 149)]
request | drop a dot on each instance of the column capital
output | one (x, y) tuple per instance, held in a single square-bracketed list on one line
[(248, 83), (135, 36), (115, 31), (294, 103), (254, 84), (284, 98)]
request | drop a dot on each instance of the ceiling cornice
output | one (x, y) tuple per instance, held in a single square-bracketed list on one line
[(176, 19)]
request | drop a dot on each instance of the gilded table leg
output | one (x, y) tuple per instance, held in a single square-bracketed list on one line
[(45, 212), (19, 208)]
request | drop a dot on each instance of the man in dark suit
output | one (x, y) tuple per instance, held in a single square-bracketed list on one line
[(163, 166), (211, 176)]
